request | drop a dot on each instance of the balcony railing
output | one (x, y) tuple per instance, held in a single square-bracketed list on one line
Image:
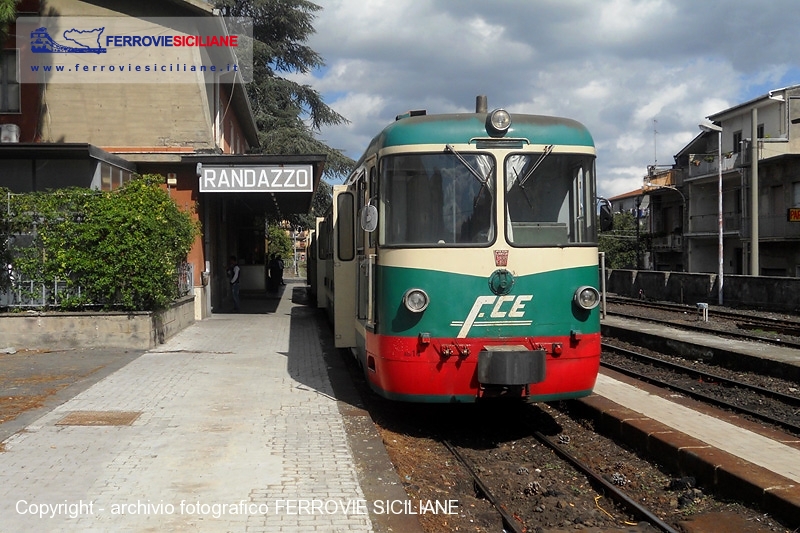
[(772, 227), (699, 166), (668, 243), (710, 223)]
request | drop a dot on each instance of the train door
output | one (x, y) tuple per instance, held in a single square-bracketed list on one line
[(365, 245), (342, 278), (319, 257)]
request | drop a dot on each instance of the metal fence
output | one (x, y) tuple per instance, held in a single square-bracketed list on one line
[(29, 294), (185, 279), (35, 295)]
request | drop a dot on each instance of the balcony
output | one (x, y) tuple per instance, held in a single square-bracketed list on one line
[(670, 178), (701, 167), (668, 243), (710, 223), (773, 227)]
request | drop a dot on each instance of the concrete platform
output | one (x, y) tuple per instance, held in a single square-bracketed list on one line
[(733, 456), (768, 358), (242, 422)]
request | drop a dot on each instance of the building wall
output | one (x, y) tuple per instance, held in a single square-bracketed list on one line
[(112, 115), (126, 115), (232, 139), (28, 117)]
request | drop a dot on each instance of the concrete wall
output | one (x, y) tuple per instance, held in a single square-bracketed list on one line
[(62, 331), (112, 115), (763, 292)]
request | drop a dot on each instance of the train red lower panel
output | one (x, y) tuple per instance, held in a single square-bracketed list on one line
[(446, 370)]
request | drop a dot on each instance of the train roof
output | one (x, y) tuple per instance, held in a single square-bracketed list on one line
[(464, 127)]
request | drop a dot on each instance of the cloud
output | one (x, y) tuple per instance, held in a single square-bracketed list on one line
[(640, 74)]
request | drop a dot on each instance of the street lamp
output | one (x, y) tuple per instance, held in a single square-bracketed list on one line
[(718, 129)]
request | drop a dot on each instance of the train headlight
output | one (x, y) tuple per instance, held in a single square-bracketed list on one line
[(416, 300), (586, 297), (498, 121)]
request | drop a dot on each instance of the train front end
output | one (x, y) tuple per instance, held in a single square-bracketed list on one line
[(485, 272)]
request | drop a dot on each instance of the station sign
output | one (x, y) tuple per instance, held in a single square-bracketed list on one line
[(793, 214), (260, 178)]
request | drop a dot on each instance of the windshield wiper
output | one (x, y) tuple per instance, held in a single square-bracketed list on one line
[(530, 172), (481, 179)]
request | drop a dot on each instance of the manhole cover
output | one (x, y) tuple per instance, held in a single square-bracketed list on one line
[(99, 418)]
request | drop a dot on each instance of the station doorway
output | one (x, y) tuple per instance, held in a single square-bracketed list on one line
[(238, 196), (232, 197)]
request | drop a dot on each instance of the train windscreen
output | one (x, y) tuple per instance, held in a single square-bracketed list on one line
[(549, 199), (442, 199)]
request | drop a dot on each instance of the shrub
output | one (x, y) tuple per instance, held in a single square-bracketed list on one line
[(122, 248)]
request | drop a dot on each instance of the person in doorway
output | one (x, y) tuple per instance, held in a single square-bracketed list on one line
[(275, 273), (233, 276)]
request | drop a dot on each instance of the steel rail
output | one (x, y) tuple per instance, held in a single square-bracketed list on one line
[(775, 395), (508, 521), (617, 495), (784, 327), (631, 505)]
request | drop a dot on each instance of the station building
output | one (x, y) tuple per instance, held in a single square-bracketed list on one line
[(200, 135)]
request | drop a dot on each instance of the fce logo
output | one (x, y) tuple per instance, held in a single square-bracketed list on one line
[(504, 309)]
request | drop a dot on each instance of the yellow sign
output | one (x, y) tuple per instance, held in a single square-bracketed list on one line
[(794, 214)]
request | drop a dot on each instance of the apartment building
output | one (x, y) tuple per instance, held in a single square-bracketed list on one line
[(749, 159)]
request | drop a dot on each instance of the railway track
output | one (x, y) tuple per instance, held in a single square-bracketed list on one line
[(513, 523), (768, 405), (762, 328), (510, 470)]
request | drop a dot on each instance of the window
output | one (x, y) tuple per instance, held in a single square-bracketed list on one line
[(796, 194), (776, 199), (344, 227), (112, 177), (9, 82), (442, 199), (794, 110), (737, 141), (549, 199)]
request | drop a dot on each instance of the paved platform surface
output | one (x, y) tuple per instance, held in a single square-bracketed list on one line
[(232, 425), (763, 350), (731, 454)]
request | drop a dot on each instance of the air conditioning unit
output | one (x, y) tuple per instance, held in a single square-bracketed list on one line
[(9, 133)]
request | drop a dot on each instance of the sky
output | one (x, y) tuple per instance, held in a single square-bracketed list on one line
[(640, 74)]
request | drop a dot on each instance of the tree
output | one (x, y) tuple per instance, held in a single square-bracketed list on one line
[(323, 197), (288, 115), (8, 14), (620, 244), (279, 242)]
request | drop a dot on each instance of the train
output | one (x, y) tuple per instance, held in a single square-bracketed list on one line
[(459, 263)]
